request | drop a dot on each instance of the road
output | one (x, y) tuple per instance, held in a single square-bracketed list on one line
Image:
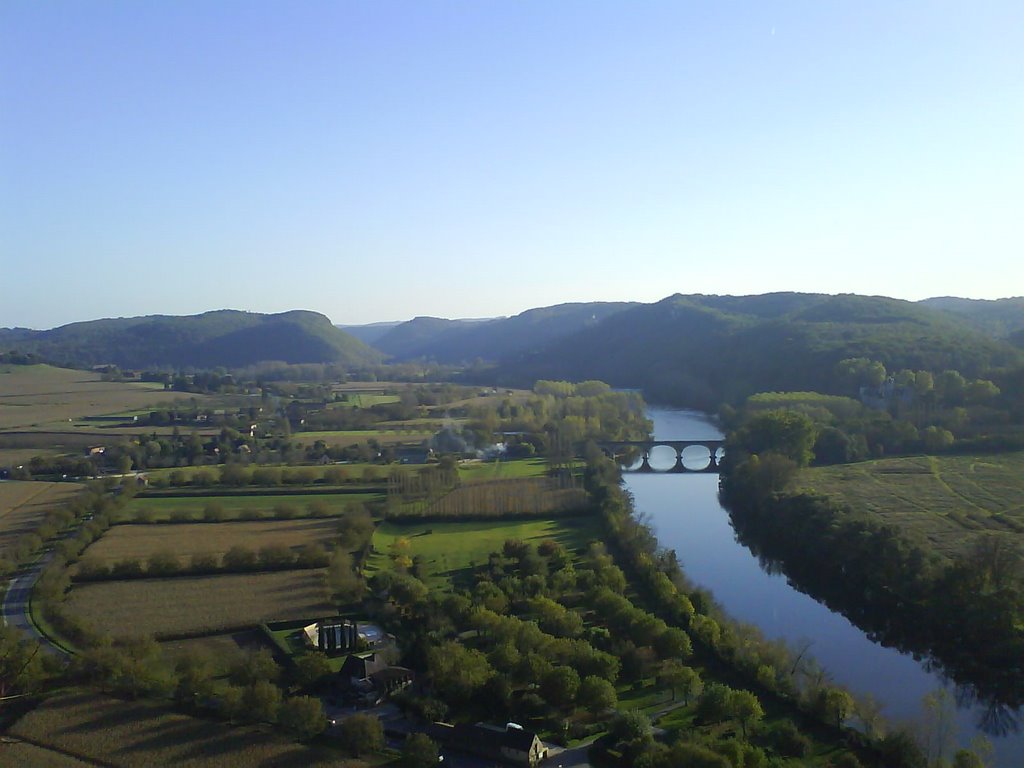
[(15, 607)]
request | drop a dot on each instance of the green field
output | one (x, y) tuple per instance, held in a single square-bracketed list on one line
[(948, 500), (477, 471), (163, 508), (448, 548), (413, 436)]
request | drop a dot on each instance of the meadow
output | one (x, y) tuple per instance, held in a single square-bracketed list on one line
[(124, 542), (449, 548), (23, 504), (344, 437), (142, 734), (192, 605), (235, 506), (478, 471), (947, 500)]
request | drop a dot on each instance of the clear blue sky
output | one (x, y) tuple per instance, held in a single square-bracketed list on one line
[(378, 160)]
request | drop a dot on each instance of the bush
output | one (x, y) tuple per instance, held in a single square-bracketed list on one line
[(787, 740)]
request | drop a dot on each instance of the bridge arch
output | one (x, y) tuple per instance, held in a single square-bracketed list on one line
[(714, 450)]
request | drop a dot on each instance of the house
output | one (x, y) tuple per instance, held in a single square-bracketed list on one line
[(512, 744), (332, 636), (369, 679)]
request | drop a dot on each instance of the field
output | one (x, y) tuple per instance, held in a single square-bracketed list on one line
[(145, 733), (201, 604), (123, 542), (26, 754), (34, 396), (23, 504), (162, 507), (221, 650), (353, 436), (476, 471), (447, 548), (948, 500)]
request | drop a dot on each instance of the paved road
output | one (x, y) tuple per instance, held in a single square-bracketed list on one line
[(15, 607)]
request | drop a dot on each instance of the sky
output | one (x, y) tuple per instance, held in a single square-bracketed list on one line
[(376, 160)]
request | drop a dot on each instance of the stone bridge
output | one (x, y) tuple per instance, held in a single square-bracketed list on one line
[(644, 447)]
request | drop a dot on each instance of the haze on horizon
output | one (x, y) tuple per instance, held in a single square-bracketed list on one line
[(378, 161)]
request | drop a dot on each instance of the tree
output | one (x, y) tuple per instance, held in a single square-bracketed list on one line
[(303, 717), (559, 687), (261, 701), (419, 751), (255, 666), (596, 694), (746, 708), (680, 678), (788, 433), (457, 672), (311, 667), (362, 734), (194, 672), (20, 663), (162, 563), (837, 704)]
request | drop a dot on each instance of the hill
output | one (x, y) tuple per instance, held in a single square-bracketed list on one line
[(460, 341), (999, 318), (222, 338), (704, 350)]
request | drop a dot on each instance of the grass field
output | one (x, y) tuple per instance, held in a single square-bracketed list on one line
[(221, 650), (946, 499), (140, 541), (186, 605), (33, 396), (448, 548), (23, 504), (476, 471), (142, 734), (352, 436), (234, 506)]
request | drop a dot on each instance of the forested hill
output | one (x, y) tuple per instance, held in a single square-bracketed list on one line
[(223, 338), (460, 341), (704, 350), (1000, 318)]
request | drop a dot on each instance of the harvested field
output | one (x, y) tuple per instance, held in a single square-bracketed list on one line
[(947, 500), (123, 542), (33, 396), (201, 604), (142, 734), (162, 507), (26, 754), (23, 504), (222, 650)]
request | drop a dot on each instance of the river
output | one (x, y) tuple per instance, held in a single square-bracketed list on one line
[(687, 517)]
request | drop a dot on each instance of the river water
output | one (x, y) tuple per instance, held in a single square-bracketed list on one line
[(686, 516)]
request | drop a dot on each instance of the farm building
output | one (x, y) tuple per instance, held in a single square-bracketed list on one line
[(368, 678), (512, 744), (338, 635)]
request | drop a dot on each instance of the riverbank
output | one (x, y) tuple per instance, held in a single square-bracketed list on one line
[(687, 517)]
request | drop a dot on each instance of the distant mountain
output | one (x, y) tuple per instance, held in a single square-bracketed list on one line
[(370, 332), (223, 338), (704, 350), (999, 318), (461, 341)]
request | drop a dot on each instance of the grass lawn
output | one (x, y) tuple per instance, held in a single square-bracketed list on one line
[(451, 548), (147, 733), (947, 500), (234, 506), (197, 604)]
